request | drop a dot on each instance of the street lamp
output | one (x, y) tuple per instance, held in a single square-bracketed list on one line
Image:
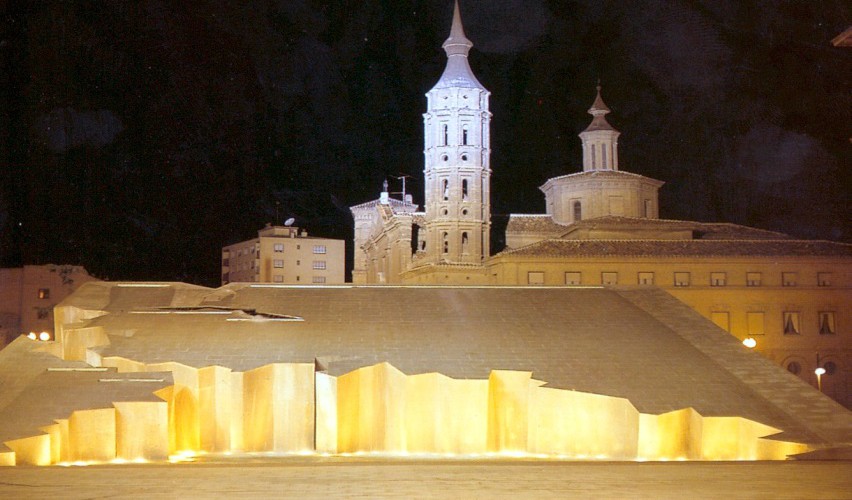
[(820, 371), (750, 342)]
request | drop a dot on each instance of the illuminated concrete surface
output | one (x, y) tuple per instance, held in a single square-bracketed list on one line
[(299, 477), (596, 373)]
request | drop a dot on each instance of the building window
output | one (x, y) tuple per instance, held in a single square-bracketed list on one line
[(826, 323), (789, 279), (573, 278), (446, 240), (681, 279), (446, 134), (603, 155), (279, 263), (647, 209), (445, 189), (722, 320), (718, 279), (298, 262), (535, 278), (824, 279), (609, 278), (830, 367), (755, 322), (753, 279), (318, 279), (646, 278), (44, 293), (794, 367), (278, 278), (464, 190), (464, 135), (318, 264), (464, 242), (578, 211), (318, 249), (593, 156), (278, 247), (791, 323)]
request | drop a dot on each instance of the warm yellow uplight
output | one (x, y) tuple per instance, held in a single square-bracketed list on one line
[(820, 371), (750, 343), (44, 336)]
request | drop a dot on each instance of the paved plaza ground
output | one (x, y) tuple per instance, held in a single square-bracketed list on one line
[(317, 477)]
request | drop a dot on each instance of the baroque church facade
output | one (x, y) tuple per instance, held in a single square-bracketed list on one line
[(785, 297)]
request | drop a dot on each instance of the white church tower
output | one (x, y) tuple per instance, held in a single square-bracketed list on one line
[(457, 173)]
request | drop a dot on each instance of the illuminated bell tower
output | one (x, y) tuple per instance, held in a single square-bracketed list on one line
[(457, 158)]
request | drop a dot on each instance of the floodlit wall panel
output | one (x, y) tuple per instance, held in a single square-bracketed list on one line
[(258, 409), (679, 434), (508, 410), (142, 430), (237, 431), (278, 411), (92, 435), (55, 433), (326, 413), (371, 410), (214, 400), (33, 450), (294, 407), (77, 341), (578, 424)]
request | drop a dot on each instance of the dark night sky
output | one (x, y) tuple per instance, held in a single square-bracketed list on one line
[(138, 138)]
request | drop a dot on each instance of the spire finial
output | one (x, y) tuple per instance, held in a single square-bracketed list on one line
[(457, 72), (599, 107), (457, 43)]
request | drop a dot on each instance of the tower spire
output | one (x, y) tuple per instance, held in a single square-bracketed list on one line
[(457, 73), (457, 43), (599, 107), (600, 139)]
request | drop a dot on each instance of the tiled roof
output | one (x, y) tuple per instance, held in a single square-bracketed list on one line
[(682, 248), (704, 230), (392, 201), (603, 174), (534, 223)]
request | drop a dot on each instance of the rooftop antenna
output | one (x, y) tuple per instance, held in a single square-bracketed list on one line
[(401, 177), (289, 222)]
